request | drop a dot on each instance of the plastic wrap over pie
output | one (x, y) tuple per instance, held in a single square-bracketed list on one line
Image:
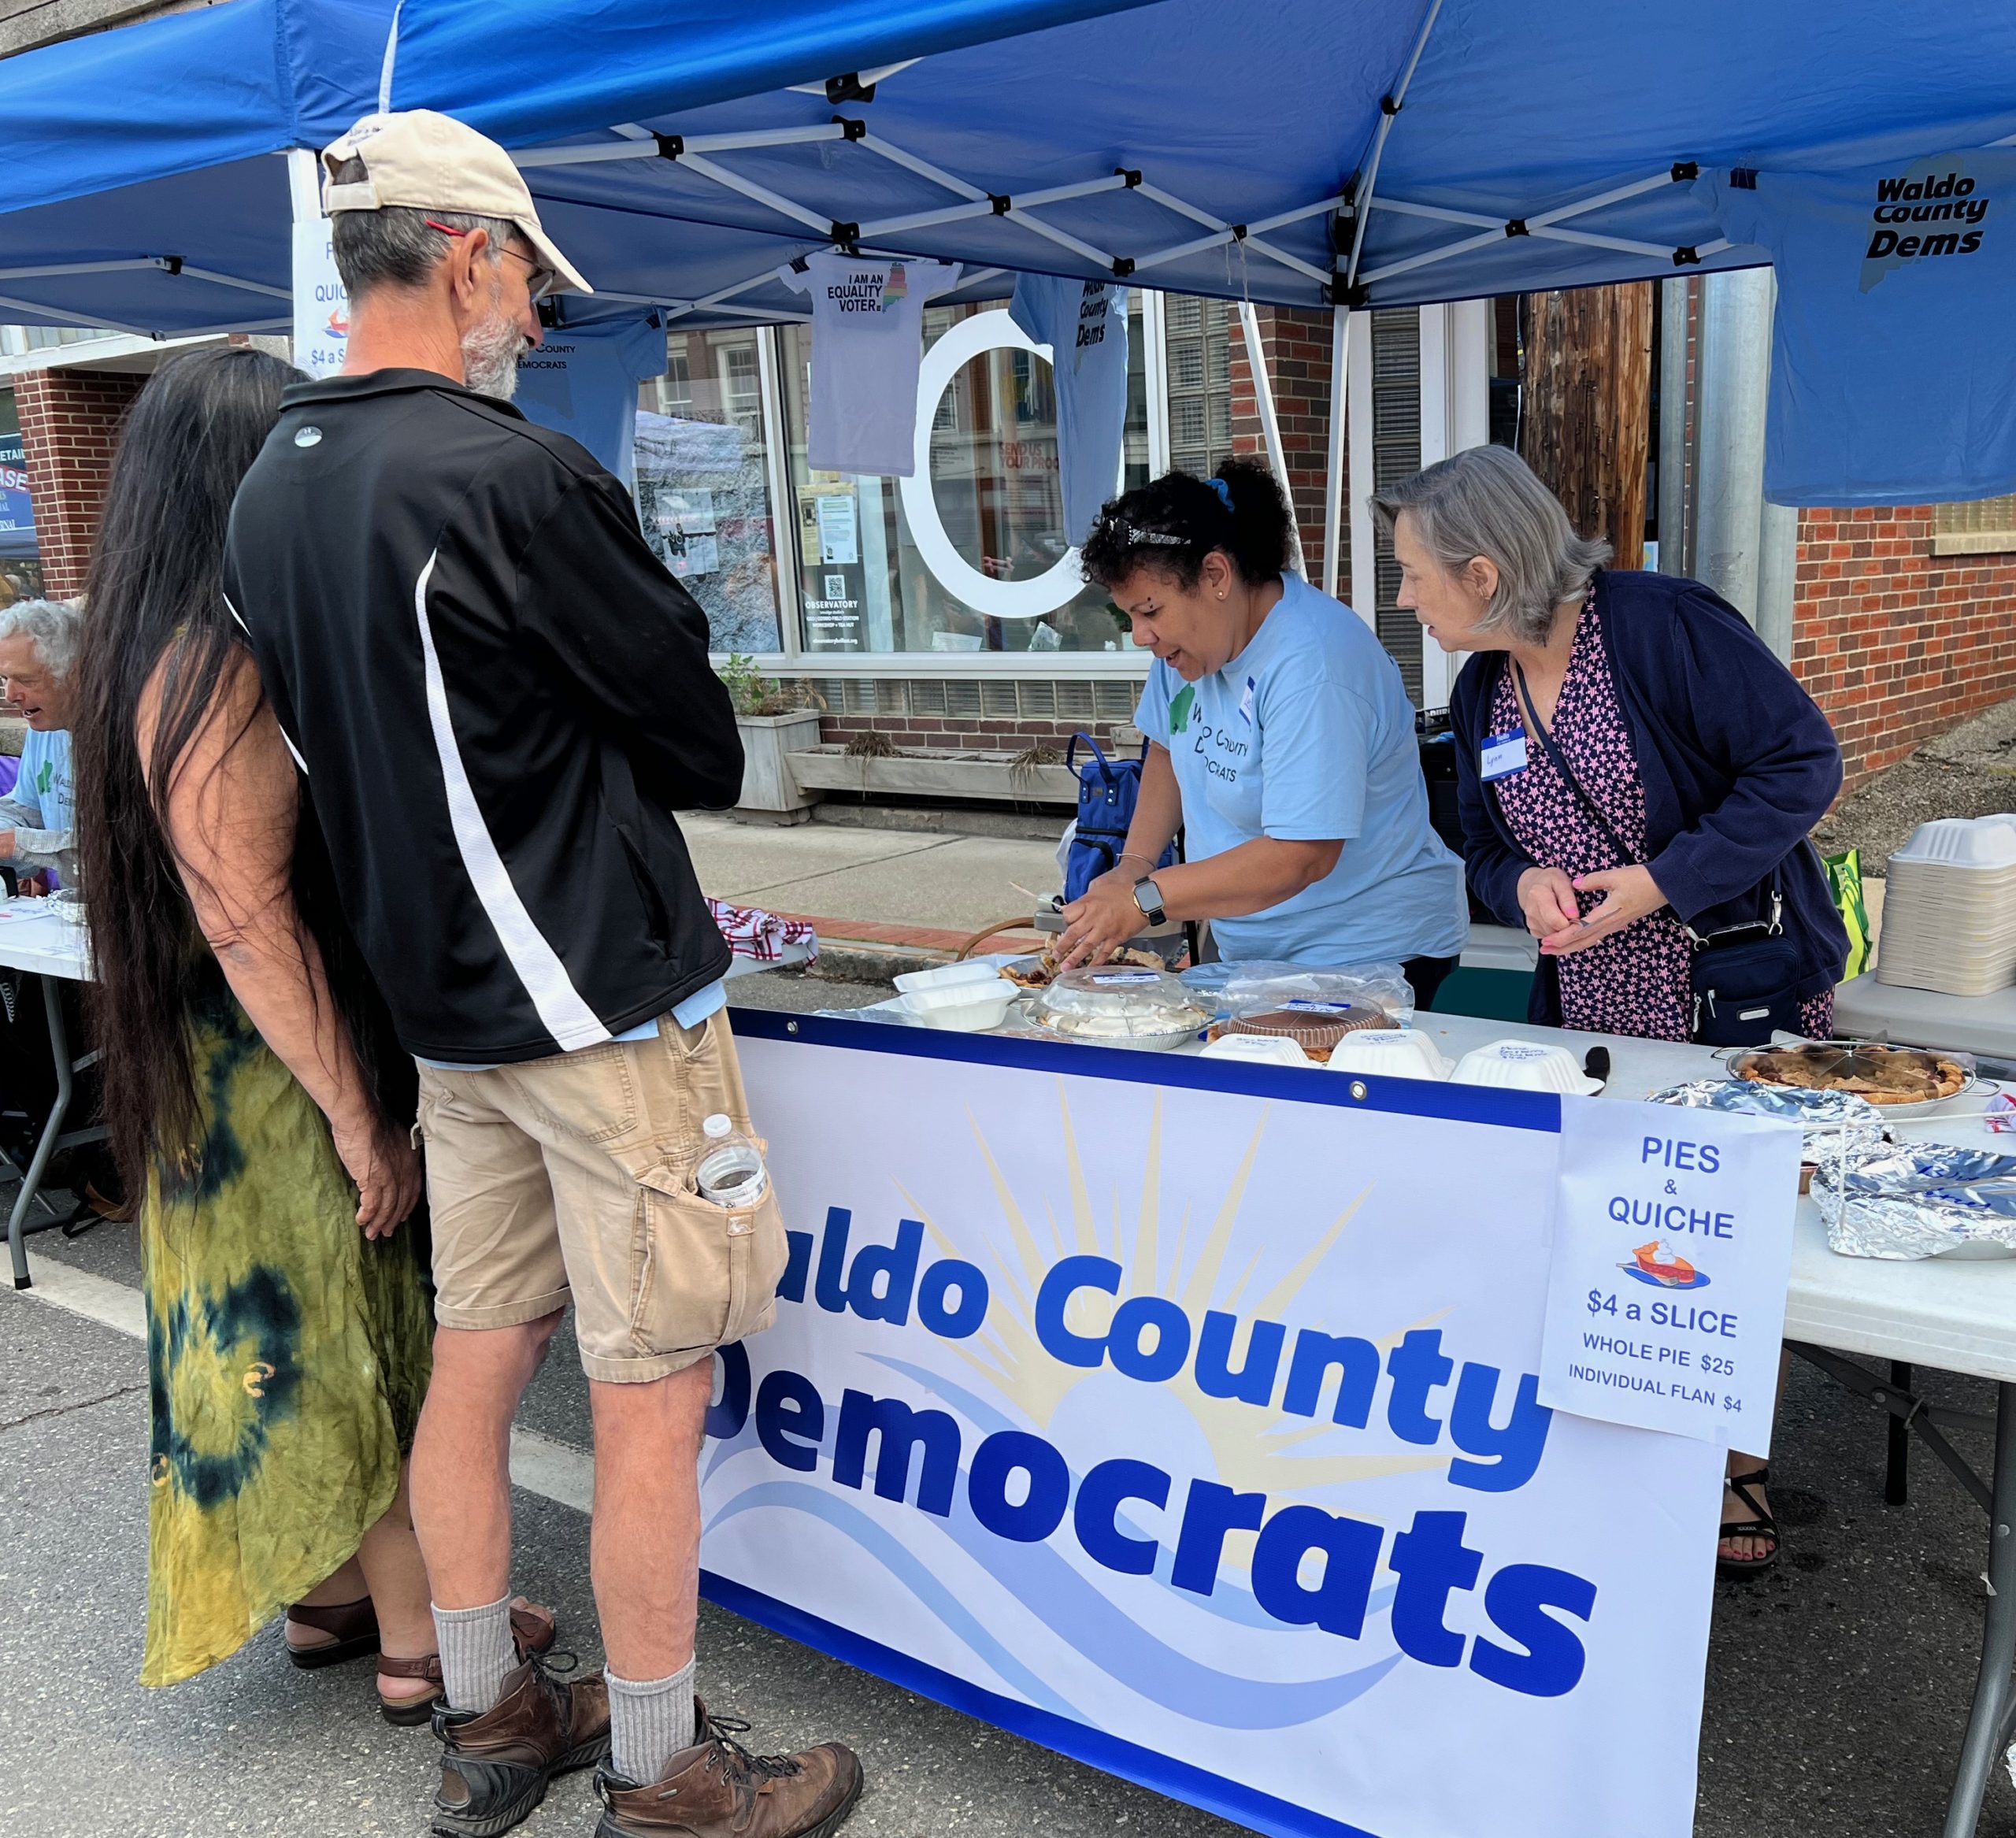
[(1120, 1007)]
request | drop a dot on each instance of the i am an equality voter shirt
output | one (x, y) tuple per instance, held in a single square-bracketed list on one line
[(1891, 375)]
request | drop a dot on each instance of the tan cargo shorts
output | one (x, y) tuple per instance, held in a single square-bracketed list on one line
[(574, 1176)]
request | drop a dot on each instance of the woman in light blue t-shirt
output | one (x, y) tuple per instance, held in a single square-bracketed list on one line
[(1282, 743)]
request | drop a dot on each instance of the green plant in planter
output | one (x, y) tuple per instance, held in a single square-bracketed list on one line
[(754, 694)]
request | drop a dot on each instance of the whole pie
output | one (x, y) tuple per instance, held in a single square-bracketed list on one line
[(1884, 1074)]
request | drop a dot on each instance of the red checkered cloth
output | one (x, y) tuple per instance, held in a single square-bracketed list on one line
[(765, 936)]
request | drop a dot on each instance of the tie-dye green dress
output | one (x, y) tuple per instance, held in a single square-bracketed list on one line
[(288, 1357)]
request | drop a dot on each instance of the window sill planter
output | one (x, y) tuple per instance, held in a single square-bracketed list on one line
[(768, 741)]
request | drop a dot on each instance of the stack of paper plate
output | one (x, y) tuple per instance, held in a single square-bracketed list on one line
[(1949, 908)]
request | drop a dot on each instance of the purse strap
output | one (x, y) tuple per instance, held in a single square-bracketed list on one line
[(1529, 718)]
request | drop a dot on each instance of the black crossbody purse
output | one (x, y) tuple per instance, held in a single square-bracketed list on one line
[(1743, 977)]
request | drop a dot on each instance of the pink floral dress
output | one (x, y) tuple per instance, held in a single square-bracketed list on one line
[(1635, 981)]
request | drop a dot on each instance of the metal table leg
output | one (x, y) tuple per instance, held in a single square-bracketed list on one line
[(59, 1045), (1897, 1465), (1994, 1717)]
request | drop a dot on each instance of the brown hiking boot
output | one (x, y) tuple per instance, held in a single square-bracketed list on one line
[(718, 1789), (496, 1763)]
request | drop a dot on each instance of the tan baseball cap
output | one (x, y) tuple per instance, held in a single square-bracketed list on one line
[(421, 161)]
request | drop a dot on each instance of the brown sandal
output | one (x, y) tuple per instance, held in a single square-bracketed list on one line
[(532, 1631), (352, 1626)]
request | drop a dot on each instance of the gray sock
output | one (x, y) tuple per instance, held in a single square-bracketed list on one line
[(649, 1724), (476, 1653)]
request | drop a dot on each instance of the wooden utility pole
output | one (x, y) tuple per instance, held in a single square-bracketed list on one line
[(1584, 416)]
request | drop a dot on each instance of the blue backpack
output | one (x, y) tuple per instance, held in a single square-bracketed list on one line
[(1108, 790)]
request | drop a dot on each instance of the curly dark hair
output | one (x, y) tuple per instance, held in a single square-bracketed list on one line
[(155, 592), (1171, 524)]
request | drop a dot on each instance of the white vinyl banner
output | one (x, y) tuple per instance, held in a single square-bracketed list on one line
[(321, 305), (1185, 1417)]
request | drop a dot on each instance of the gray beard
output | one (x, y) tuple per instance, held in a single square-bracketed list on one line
[(489, 357)]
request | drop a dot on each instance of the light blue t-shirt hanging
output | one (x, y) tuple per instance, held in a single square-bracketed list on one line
[(582, 380), (1084, 323), (1890, 376), (1307, 735)]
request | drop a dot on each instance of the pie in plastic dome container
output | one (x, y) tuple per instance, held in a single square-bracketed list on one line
[(1121, 1005)]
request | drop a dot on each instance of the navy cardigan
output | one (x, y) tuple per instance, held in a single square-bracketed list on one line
[(1737, 762)]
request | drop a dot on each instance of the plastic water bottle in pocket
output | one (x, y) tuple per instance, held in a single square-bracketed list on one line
[(730, 1172)]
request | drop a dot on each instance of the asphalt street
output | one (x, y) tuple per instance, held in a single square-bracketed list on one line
[(1837, 1686)]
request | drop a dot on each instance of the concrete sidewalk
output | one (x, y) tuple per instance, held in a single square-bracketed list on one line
[(913, 889)]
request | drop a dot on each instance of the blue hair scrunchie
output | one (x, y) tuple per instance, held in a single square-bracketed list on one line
[(1223, 490)]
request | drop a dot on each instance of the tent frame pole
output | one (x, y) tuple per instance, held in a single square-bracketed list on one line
[(598, 152), (1390, 105), (1546, 225), (1333, 480), (1270, 426)]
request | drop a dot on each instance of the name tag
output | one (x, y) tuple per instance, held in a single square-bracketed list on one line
[(1503, 755)]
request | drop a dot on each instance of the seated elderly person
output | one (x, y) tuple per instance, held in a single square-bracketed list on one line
[(37, 646)]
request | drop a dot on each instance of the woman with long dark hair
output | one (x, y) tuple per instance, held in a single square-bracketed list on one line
[(254, 1100)]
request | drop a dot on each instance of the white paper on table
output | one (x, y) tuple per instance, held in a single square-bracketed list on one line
[(1672, 1241)]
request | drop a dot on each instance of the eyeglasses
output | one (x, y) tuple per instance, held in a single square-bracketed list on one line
[(540, 281)]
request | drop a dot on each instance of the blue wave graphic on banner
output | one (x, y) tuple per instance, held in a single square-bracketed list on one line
[(904, 1566), (1073, 1609)]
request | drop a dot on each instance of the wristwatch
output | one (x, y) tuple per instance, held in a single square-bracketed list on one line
[(1148, 897)]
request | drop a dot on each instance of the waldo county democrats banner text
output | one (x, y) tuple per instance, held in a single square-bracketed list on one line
[(1184, 1418)]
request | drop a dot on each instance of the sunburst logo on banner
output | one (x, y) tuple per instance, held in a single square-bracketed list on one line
[(1008, 1355)]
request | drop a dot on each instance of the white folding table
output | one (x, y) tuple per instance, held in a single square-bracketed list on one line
[(1957, 1316), (47, 938), (1953, 1315)]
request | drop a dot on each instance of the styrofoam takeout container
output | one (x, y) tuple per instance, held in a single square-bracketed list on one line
[(970, 1008), (1962, 841), (947, 976), (1402, 1053), (1258, 1050), (1527, 1066)]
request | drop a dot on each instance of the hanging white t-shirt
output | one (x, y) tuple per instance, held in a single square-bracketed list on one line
[(867, 344), (1085, 324)]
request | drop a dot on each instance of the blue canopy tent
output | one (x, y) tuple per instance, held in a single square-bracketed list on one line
[(1386, 152), (1335, 153)]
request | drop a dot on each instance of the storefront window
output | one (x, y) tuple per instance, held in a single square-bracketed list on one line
[(1197, 334), (971, 555), (703, 484), (21, 564)]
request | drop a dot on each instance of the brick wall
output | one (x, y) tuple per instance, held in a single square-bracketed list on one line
[(1895, 643), (1295, 342), (932, 732), (70, 422)]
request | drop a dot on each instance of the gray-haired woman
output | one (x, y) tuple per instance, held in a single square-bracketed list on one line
[(1637, 773)]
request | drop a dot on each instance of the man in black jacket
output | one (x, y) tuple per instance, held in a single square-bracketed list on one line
[(497, 695)]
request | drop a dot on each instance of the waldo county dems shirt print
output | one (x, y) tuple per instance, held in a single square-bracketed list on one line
[(1891, 379)]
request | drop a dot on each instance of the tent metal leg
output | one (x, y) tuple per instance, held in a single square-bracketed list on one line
[(1992, 1724), (1896, 1475), (1989, 1727), (59, 1047)]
